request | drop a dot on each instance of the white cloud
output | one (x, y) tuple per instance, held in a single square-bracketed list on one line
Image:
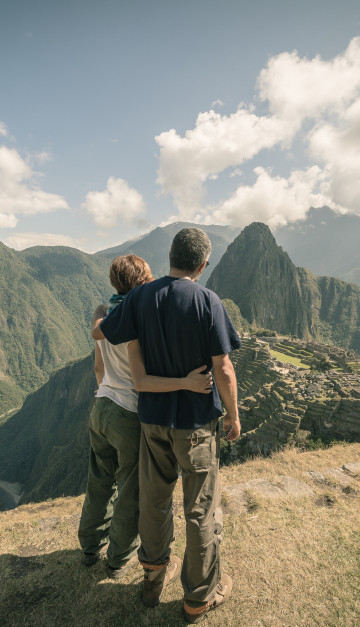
[(217, 102), (236, 172), (19, 191), (41, 157), (8, 221), (301, 88), (216, 143), (118, 200), (19, 241), (324, 93), (3, 129), (338, 149), (272, 199)]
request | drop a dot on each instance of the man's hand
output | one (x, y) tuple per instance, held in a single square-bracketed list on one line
[(225, 380), (99, 313), (197, 382), (234, 423)]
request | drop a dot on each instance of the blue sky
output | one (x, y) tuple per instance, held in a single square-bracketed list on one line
[(117, 116)]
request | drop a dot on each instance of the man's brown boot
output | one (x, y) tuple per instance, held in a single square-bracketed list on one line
[(222, 593), (156, 578)]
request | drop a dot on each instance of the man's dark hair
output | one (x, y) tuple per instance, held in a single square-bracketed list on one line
[(189, 249)]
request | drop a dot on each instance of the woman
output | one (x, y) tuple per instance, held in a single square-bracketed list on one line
[(110, 511)]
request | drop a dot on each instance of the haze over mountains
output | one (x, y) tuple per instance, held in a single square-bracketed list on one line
[(327, 243)]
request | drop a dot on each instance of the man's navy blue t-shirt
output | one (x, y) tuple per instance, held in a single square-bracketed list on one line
[(180, 326)]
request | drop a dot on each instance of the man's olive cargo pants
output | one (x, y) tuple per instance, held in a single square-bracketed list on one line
[(164, 452)]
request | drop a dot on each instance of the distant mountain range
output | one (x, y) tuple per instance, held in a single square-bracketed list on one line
[(327, 243), (155, 246)]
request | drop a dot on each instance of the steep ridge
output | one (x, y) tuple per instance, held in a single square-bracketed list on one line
[(272, 293), (44, 446)]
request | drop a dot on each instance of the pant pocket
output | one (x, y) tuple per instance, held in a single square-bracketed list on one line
[(194, 449)]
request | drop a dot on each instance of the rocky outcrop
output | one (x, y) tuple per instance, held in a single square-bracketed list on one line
[(272, 293)]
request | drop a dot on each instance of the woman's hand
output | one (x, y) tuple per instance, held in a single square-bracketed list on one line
[(197, 382)]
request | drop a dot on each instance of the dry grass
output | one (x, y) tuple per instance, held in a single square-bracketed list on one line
[(294, 561)]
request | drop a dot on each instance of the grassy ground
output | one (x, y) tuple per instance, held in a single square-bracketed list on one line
[(289, 359), (294, 561)]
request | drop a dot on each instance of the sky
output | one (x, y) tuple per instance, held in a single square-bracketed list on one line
[(117, 116)]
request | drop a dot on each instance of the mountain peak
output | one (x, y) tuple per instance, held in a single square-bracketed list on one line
[(262, 280)]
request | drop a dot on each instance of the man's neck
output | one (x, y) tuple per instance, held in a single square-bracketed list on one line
[(181, 274)]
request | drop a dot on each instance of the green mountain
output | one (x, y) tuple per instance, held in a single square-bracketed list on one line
[(155, 246), (271, 292), (48, 295)]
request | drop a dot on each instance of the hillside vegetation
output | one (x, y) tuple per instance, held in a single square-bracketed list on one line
[(48, 295), (45, 445), (294, 558)]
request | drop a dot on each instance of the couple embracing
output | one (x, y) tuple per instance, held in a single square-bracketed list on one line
[(169, 339)]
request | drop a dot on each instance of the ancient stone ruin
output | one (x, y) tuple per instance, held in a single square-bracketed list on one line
[(290, 391)]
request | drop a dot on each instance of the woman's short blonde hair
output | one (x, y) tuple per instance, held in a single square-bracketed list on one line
[(129, 271)]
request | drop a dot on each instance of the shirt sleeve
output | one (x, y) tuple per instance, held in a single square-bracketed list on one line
[(120, 325), (223, 336)]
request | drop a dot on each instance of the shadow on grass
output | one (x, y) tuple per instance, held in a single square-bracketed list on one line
[(56, 589)]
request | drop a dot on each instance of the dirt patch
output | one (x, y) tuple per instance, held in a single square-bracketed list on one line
[(325, 500), (29, 550), (40, 508)]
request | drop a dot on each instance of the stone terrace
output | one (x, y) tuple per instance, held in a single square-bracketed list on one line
[(280, 402)]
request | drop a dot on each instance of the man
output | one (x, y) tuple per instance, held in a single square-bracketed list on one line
[(181, 325)]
